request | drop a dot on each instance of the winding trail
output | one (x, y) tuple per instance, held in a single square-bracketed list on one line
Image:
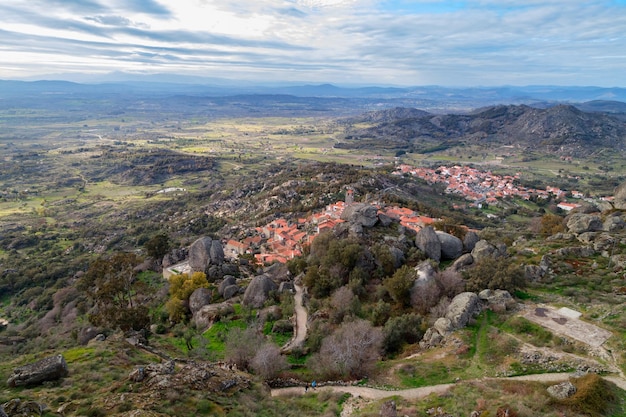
[(301, 320), (421, 392)]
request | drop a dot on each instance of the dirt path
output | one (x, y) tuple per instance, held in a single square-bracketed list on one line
[(416, 393), (301, 319)]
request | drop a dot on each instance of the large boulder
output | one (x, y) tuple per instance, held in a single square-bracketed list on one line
[(47, 369), (469, 241), (226, 282), (427, 241), (533, 273), (211, 313), (497, 300), (613, 224), (582, 222), (198, 299), (205, 252), (619, 200), (258, 291), (361, 214), (462, 262), (231, 291), (483, 250), (451, 246), (461, 309)]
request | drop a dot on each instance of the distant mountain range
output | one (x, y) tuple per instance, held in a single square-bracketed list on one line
[(424, 97), (562, 129)]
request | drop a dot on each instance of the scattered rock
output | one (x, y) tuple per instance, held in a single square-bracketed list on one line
[(198, 299), (47, 369), (384, 220), (258, 291), (428, 242), (562, 391), (226, 282), (388, 409), (497, 300), (19, 408), (286, 286), (211, 313), (451, 246)]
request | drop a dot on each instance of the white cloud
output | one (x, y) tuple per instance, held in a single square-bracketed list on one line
[(473, 42)]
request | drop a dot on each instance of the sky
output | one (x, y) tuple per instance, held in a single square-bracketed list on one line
[(344, 42)]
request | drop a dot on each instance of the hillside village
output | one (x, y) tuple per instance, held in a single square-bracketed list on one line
[(283, 239), (485, 187)]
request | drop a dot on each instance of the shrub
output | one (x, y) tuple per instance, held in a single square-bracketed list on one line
[(594, 396), (400, 330)]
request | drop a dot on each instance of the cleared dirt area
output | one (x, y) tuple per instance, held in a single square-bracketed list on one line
[(567, 325)]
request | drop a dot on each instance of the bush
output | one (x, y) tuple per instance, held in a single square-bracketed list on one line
[(400, 330), (500, 273), (594, 396)]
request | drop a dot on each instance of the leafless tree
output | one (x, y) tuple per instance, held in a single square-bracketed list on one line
[(451, 282), (268, 362), (350, 351), (241, 346)]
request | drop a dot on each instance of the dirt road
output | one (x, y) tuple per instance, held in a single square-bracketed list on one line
[(301, 321), (416, 393)]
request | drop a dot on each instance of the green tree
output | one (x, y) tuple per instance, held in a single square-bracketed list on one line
[(181, 287), (399, 285), (400, 330), (157, 246), (112, 285), (551, 224)]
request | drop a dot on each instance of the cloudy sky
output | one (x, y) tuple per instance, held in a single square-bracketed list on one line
[(382, 42)]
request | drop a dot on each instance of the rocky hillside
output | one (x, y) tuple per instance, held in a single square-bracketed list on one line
[(562, 129)]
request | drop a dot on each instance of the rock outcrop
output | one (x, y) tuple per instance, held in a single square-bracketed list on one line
[(361, 214), (451, 246), (192, 376), (47, 369), (581, 222), (613, 224), (258, 291), (205, 252), (428, 242), (497, 300)]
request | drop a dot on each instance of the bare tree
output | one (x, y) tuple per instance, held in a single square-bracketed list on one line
[(268, 362), (425, 296), (451, 282), (241, 346), (350, 351), (342, 303)]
